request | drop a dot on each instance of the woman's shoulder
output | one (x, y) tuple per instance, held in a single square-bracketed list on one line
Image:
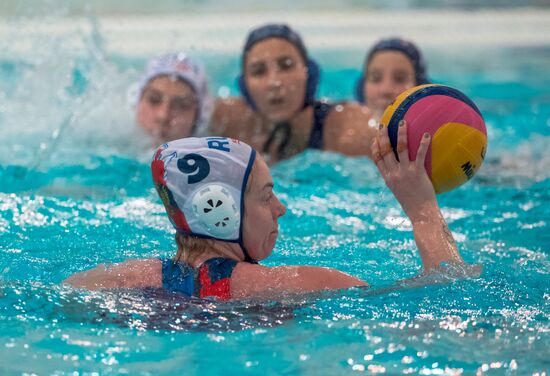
[(271, 282), (349, 129), (133, 273), (229, 116), (140, 272), (348, 114)]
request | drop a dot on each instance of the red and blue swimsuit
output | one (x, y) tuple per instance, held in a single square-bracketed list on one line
[(211, 279)]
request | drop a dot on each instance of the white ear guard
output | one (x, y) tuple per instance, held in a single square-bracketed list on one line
[(216, 209)]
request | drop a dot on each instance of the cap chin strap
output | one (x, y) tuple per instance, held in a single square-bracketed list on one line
[(247, 257)]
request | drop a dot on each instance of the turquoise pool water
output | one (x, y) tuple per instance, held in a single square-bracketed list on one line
[(75, 191)]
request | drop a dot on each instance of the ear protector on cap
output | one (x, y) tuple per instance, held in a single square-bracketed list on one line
[(217, 210), (313, 74), (202, 183)]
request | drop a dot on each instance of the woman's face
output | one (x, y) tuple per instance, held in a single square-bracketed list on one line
[(167, 109), (388, 74), (276, 76), (262, 211)]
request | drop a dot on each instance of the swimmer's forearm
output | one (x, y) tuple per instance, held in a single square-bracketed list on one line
[(433, 237)]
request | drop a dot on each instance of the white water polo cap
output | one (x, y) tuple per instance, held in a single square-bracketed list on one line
[(201, 182), (176, 65)]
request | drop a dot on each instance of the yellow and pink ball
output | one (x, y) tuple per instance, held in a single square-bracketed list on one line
[(456, 126)]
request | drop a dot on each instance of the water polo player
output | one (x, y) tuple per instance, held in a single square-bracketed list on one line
[(218, 194), (172, 98), (278, 113), (392, 66)]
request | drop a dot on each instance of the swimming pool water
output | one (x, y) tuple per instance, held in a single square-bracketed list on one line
[(75, 191)]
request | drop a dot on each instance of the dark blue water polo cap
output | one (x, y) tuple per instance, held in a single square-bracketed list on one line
[(285, 32), (403, 46)]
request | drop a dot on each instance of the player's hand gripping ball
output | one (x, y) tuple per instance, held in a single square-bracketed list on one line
[(457, 129)]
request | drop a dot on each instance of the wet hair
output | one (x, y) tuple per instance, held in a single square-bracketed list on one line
[(191, 247)]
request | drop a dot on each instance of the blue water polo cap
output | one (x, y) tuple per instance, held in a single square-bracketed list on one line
[(395, 44), (285, 32), (202, 182)]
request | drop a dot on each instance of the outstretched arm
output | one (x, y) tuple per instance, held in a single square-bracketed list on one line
[(127, 274), (274, 282), (411, 186)]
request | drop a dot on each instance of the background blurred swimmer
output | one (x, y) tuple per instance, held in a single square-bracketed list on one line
[(278, 113), (219, 196), (392, 66), (172, 99)]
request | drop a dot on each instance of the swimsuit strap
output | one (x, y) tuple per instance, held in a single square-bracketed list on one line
[(283, 128), (178, 277), (214, 278), (320, 112), (211, 279)]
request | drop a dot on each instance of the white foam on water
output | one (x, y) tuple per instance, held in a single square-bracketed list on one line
[(50, 116)]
